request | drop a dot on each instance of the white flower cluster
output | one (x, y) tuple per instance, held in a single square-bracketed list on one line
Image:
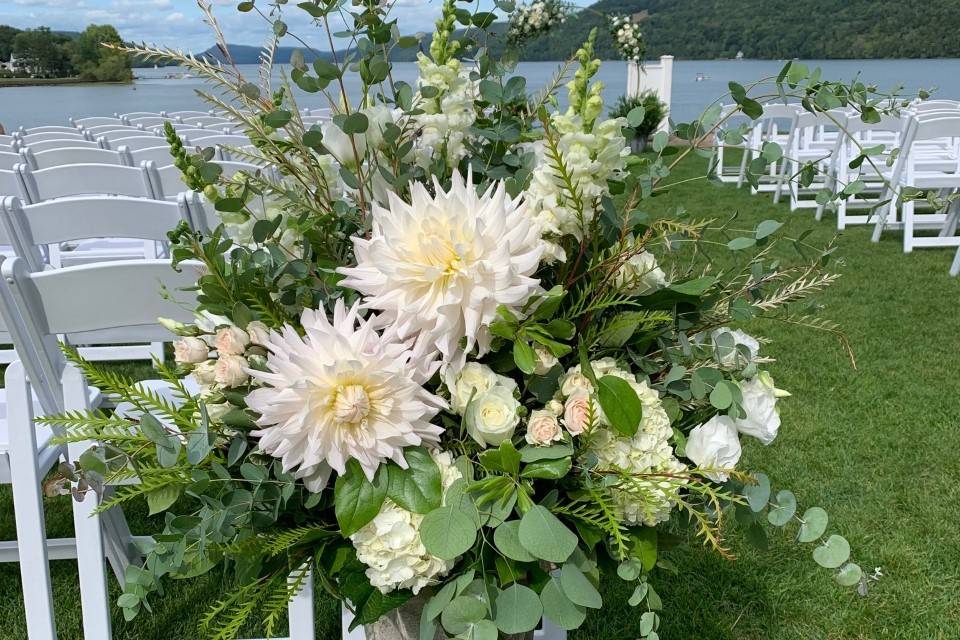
[(447, 116), (530, 20), (640, 275), (715, 444), (390, 544), (486, 400), (645, 501), (628, 38), (591, 155)]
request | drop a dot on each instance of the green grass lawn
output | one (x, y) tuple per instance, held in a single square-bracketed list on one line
[(876, 446)]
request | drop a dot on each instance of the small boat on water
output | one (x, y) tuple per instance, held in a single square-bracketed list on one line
[(702, 76)]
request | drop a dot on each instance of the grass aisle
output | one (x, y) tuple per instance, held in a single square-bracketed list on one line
[(877, 447)]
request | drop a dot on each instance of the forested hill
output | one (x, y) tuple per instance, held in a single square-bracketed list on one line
[(772, 29)]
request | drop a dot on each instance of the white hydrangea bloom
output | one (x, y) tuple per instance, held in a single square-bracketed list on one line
[(648, 501), (390, 544)]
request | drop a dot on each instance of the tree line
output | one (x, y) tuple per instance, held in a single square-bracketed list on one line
[(44, 53)]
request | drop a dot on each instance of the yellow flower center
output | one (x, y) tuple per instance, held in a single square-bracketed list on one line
[(351, 404)]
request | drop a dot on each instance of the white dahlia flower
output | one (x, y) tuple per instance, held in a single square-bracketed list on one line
[(441, 265), (340, 392), (390, 544)]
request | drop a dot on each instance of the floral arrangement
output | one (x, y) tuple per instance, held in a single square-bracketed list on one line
[(536, 18), (628, 39), (446, 360)]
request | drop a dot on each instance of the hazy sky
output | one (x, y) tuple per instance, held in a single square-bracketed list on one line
[(179, 22)]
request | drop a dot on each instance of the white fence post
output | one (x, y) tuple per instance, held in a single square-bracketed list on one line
[(657, 77)]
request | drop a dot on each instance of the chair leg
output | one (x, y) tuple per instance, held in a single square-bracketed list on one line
[(300, 608), (955, 267), (550, 631), (345, 618), (28, 509), (908, 208), (94, 597), (881, 214)]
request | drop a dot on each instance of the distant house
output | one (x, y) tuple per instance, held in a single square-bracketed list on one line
[(13, 65)]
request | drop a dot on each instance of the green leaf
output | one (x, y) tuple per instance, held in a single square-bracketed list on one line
[(447, 533), (199, 444), (547, 469), (620, 404), (722, 396), (694, 287), (849, 575), (630, 569), (544, 536), (417, 488), (518, 609), (355, 123), (741, 243), (558, 608), (645, 544), (533, 454), (356, 500), (758, 495), (524, 356), (635, 116), (832, 553), (660, 140), (461, 613), (277, 119), (313, 139), (767, 228), (813, 526), (162, 498), (578, 587), (507, 539), (782, 510)]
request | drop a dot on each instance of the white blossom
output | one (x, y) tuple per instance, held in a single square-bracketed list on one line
[(714, 445)]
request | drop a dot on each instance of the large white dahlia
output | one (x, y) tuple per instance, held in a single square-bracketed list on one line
[(341, 391), (441, 265)]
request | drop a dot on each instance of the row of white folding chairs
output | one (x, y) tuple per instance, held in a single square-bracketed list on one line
[(80, 304)]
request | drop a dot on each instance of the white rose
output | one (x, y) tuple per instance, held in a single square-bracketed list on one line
[(544, 360), (732, 358), (760, 403), (579, 412), (470, 381), (493, 416), (640, 275), (715, 445), (205, 373), (190, 350), (231, 371), (216, 411), (231, 341), (543, 428), (259, 333)]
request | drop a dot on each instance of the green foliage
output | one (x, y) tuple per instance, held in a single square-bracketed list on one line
[(644, 112)]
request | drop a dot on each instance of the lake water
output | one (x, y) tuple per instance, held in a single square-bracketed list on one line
[(154, 91)]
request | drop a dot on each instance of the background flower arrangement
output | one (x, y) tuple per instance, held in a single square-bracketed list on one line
[(628, 38), (447, 356)]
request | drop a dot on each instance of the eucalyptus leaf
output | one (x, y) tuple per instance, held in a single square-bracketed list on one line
[(849, 575), (813, 526), (758, 495), (783, 509), (447, 533), (578, 587), (558, 608), (544, 536), (507, 539), (832, 553), (518, 609)]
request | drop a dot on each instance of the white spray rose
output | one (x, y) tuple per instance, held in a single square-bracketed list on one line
[(715, 444), (258, 332), (493, 416), (574, 381), (543, 428), (544, 360), (579, 412), (555, 407), (190, 350), (640, 275), (205, 373), (760, 403), (231, 371), (231, 341)]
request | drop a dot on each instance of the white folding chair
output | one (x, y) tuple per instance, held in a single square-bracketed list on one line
[(937, 171), (138, 114), (95, 121), (10, 184), (143, 140), (207, 121), (220, 141), (73, 155), (47, 129), (772, 126), (7, 140), (83, 179), (46, 145), (815, 140), (9, 159), (37, 231), (115, 133), (189, 114), (33, 138), (159, 155), (149, 122)]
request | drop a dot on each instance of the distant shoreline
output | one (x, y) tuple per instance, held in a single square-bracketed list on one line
[(37, 82)]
